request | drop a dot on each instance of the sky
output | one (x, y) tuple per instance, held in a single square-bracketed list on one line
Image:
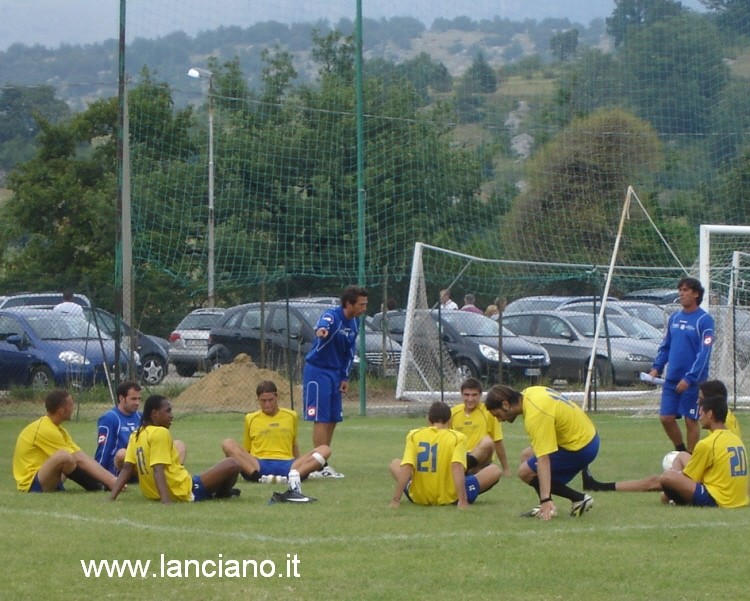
[(54, 22)]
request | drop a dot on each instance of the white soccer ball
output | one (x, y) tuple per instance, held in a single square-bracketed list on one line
[(666, 463)]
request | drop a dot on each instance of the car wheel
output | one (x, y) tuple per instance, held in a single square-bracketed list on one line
[(466, 369), (42, 378), (602, 376), (153, 370), (184, 369)]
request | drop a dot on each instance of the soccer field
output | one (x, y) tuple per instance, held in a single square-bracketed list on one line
[(350, 545)]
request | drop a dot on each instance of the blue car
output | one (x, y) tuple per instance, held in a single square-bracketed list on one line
[(44, 349)]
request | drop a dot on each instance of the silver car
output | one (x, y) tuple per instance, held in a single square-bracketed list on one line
[(568, 338), (188, 343)]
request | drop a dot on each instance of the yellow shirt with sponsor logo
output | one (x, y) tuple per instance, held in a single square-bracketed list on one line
[(476, 425), (271, 437)]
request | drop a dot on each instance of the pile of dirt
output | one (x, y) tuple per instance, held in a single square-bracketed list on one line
[(232, 387)]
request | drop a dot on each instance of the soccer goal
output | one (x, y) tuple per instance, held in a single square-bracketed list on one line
[(724, 266), (441, 346)]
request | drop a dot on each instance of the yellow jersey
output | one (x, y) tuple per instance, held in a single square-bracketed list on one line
[(476, 425), (36, 443), (271, 437), (431, 452), (732, 424), (552, 421), (719, 461), (153, 446)]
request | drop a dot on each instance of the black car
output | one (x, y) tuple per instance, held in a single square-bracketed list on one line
[(153, 351), (288, 336), (473, 340)]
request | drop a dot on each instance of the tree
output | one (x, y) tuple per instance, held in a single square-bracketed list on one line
[(733, 15), (674, 72), (576, 185), (564, 44), (21, 109), (480, 77), (630, 15)]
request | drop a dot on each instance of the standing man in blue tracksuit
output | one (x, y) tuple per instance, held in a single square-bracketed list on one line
[(327, 365), (686, 351)]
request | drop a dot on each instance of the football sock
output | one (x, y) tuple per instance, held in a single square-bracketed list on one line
[(85, 480), (591, 483), (254, 477), (471, 461), (563, 490)]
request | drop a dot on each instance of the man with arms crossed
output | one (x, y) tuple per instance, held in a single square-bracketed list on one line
[(432, 470), (563, 442), (115, 427), (483, 432), (270, 445), (327, 366), (45, 453), (686, 351)]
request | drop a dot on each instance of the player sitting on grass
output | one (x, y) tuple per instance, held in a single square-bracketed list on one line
[(709, 388), (45, 453), (484, 434), (714, 475), (432, 470), (270, 445), (161, 475)]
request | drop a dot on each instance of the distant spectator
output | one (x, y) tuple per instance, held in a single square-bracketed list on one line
[(469, 305), (68, 306), (492, 312), (446, 304), (500, 302), (391, 304)]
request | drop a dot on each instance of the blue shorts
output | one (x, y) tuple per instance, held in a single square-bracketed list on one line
[(275, 467), (200, 492), (566, 465), (702, 498), (36, 486), (471, 485), (322, 395), (679, 405)]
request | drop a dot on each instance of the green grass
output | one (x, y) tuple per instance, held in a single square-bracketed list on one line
[(350, 545)]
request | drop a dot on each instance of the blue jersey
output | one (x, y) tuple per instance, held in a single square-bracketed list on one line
[(686, 348), (336, 351), (114, 430)]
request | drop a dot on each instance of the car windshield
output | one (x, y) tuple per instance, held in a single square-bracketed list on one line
[(473, 324), (586, 326), (635, 328), (199, 321), (68, 327)]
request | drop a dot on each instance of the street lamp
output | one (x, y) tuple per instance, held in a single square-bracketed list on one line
[(205, 73)]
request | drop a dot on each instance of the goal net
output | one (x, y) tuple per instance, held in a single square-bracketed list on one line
[(433, 365), (725, 274)]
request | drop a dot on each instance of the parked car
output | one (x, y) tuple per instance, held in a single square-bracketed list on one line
[(240, 331), (40, 299), (547, 302), (153, 350), (652, 314), (188, 343), (472, 340), (44, 349), (568, 337), (657, 296)]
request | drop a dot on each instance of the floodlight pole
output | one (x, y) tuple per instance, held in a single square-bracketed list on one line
[(205, 73)]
